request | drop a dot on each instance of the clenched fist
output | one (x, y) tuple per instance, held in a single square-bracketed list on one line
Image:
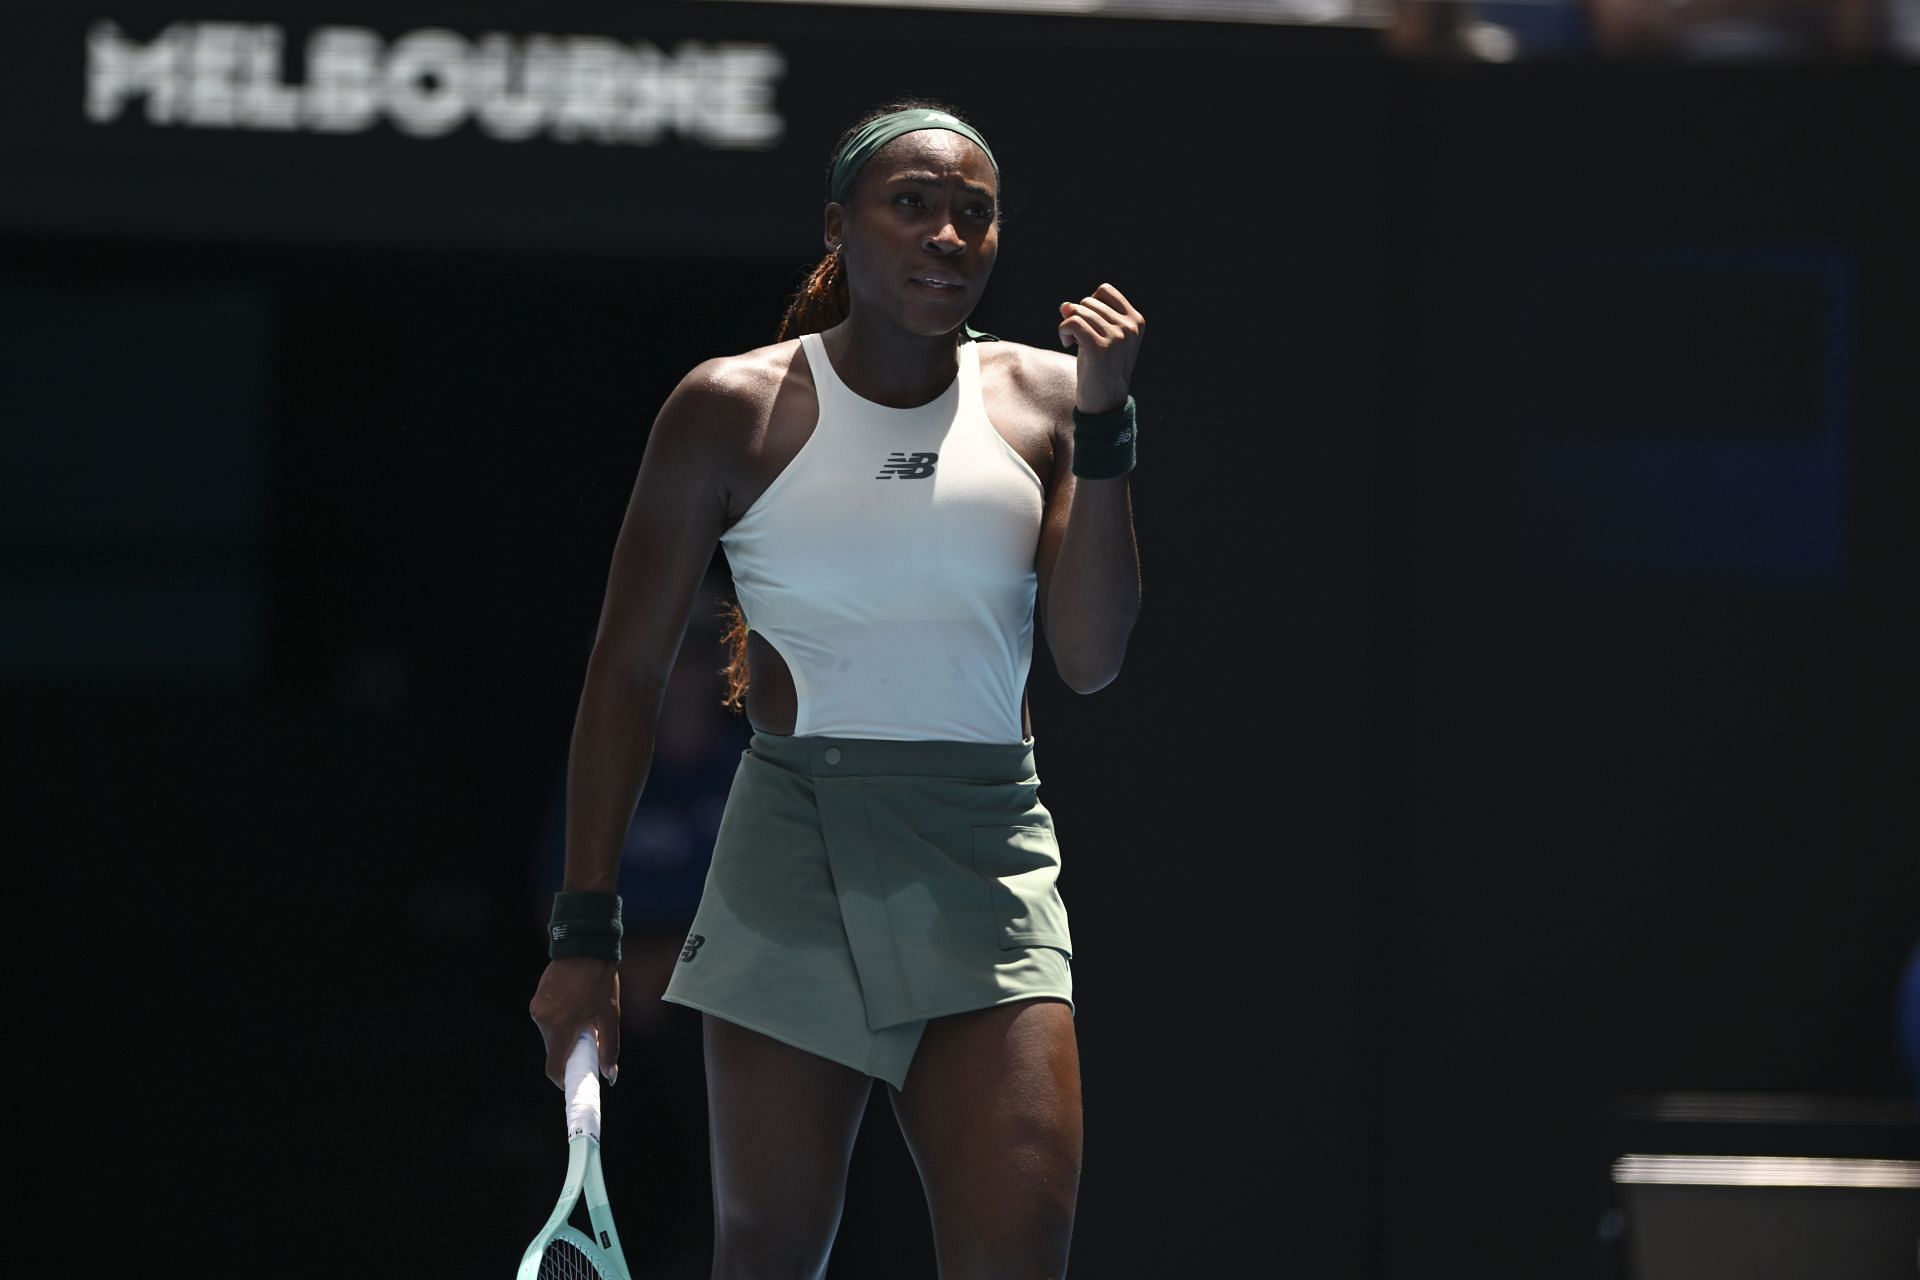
[(1104, 331)]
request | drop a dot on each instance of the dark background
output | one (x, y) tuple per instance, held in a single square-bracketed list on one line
[(1519, 718)]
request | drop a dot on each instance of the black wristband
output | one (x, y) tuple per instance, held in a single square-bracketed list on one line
[(1103, 442), (584, 924)]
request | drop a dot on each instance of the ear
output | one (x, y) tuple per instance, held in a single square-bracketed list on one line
[(836, 225)]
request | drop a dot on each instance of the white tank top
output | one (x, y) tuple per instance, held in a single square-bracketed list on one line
[(892, 565)]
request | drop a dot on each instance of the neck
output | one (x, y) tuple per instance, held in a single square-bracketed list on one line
[(888, 365)]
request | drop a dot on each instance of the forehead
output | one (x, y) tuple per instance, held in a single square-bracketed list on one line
[(939, 151)]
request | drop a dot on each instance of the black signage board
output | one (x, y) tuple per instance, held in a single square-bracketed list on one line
[(696, 129)]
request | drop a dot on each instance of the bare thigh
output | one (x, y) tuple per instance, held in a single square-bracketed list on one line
[(991, 1113), (782, 1124)]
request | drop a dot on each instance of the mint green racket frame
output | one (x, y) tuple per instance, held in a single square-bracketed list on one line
[(583, 1180)]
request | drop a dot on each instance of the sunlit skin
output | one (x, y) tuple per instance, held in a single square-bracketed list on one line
[(991, 1112), (921, 209)]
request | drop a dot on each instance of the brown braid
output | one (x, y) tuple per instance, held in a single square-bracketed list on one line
[(819, 303), (733, 642)]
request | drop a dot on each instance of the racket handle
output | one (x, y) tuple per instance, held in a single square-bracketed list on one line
[(583, 1088)]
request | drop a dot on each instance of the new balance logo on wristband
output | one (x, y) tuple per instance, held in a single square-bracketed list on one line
[(907, 466), (559, 932), (692, 949)]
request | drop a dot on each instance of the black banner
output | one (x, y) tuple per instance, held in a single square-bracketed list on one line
[(690, 129)]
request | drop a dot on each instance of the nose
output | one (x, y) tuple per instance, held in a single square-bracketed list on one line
[(946, 238)]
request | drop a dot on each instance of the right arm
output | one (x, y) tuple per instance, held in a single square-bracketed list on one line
[(673, 522)]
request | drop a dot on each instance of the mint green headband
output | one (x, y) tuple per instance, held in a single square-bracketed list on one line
[(879, 133)]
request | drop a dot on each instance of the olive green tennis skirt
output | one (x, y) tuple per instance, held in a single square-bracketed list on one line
[(859, 887)]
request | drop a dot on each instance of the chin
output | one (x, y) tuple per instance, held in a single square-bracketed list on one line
[(925, 326)]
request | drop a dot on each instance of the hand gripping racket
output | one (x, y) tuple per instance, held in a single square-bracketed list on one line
[(560, 1252)]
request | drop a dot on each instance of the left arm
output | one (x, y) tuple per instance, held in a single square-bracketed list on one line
[(1089, 562)]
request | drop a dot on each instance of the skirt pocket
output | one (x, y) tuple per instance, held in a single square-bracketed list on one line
[(1018, 867)]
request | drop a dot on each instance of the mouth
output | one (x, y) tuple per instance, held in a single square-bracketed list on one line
[(940, 284)]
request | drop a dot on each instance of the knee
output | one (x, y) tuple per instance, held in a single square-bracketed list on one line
[(1023, 1237), (791, 1244), (1032, 1250), (1049, 1224), (1046, 1188)]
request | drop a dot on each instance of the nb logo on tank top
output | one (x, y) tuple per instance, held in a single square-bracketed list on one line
[(907, 466)]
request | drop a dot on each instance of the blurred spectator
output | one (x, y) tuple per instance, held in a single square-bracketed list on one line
[(663, 867), (1488, 30), (1902, 29), (1679, 30), (1738, 30), (670, 839)]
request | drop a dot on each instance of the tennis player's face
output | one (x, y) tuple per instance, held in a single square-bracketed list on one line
[(921, 230)]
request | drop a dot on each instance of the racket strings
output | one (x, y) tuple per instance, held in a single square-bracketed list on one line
[(564, 1260)]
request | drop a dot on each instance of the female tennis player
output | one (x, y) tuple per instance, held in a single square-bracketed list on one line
[(903, 503)]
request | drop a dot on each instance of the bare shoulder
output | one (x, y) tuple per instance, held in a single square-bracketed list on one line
[(1032, 381), (723, 395), (1033, 375), (1028, 393), (735, 421)]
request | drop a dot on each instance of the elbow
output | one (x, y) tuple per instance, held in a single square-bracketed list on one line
[(625, 687), (1089, 672), (1088, 654), (1094, 684)]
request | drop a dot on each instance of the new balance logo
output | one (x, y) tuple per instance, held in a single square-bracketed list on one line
[(694, 943), (907, 466)]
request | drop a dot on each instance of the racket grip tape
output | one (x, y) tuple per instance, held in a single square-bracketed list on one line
[(583, 1088)]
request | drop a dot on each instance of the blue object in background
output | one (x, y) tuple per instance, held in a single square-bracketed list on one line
[(663, 865), (1907, 1024), (669, 844), (1541, 28), (1681, 416)]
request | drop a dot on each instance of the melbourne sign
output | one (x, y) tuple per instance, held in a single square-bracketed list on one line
[(429, 83)]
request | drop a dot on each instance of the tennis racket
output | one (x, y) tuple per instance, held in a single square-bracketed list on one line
[(560, 1252)]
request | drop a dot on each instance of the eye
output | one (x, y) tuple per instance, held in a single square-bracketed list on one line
[(909, 198)]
